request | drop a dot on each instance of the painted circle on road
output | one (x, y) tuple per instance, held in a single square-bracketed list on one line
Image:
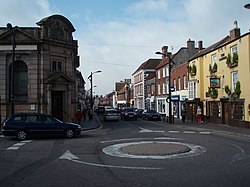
[(154, 150)]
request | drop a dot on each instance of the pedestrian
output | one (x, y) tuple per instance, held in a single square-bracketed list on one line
[(183, 114), (84, 113), (79, 116), (199, 114)]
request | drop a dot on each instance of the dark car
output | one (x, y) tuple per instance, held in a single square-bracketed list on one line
[(138, 113), (150, 115), (100, 109), (128, 113), (111, 115), (26, 125)]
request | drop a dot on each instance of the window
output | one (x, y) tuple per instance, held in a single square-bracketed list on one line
[(192, 90), (159, 89), (56, 65), (234, 49), (164, 88), (164, 72), (174, 84), (179, 83), (159, 74), (20, 81), (237, 110), (161, 106), (153, 88), (234, 80), (213, 60), (184, 82), (214, 108)]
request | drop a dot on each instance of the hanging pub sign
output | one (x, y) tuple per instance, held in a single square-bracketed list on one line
[(215, 82)]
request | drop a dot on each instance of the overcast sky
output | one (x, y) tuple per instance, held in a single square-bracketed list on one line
[(116, 36)]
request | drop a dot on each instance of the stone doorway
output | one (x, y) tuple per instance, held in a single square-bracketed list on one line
[(57, 104)]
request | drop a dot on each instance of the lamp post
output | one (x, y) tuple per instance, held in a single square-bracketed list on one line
[(170, 62), (247, 6), (12, 98), (90, 77)]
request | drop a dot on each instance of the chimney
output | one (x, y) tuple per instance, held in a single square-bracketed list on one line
[(235, 32), (200, 45), (164, 50), (190, 44)]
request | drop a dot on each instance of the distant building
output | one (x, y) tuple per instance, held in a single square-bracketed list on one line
[(140, 79), (46, 58)]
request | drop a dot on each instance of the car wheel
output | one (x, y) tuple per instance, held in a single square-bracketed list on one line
[(21, 135), (69, 133)]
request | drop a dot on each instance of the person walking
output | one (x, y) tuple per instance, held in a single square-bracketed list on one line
[(199, 114), (183, 114), (84, 113), (78, 116)]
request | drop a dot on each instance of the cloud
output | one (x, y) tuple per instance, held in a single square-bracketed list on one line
[(149, 6), (23, 13)]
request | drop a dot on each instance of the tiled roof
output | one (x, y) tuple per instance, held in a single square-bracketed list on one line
[(211, 48), (149, 64)]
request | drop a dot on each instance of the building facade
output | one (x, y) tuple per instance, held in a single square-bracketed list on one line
[(219, 79), (45, 62), (140, 89), (179, 78)]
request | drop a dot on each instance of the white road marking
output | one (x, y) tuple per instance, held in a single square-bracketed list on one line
[(147, 130), (16, 146), (175, 132), (188, 132), (12, 148), (204, 132), (69, 156)]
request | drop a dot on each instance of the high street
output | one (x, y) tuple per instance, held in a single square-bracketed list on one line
[(131, 153)]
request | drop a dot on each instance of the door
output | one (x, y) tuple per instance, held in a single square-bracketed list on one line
[(225, 111), (57, 104)]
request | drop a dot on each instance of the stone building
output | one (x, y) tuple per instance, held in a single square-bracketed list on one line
[(45, 74)]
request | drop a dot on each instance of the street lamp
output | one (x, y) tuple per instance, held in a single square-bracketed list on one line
[(90, 77), (170, 62), (12, 98), (247, 6)]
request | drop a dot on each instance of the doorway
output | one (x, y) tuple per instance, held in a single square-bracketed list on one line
[(57, 104)]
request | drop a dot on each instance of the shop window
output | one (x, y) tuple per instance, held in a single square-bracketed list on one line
[(237, 110), (214, 108)]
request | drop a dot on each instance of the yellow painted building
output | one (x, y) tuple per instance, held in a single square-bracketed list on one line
[(219, 81)]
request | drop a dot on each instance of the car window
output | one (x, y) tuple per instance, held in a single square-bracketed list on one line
[(35, 119), (47, 120), (18, 119)]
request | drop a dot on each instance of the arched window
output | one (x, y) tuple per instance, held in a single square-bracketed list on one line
[(20, 81)]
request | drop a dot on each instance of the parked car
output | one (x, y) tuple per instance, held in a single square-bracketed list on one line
[(23, 125), (138, 113), (128, 113), (111, 115), (150, 115)]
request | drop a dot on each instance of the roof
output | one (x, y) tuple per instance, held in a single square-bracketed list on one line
[(211, 48), (164, 61), (148, 65), (44, 20)]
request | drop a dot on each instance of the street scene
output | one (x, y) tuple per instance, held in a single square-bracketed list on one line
[(130, 153)]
